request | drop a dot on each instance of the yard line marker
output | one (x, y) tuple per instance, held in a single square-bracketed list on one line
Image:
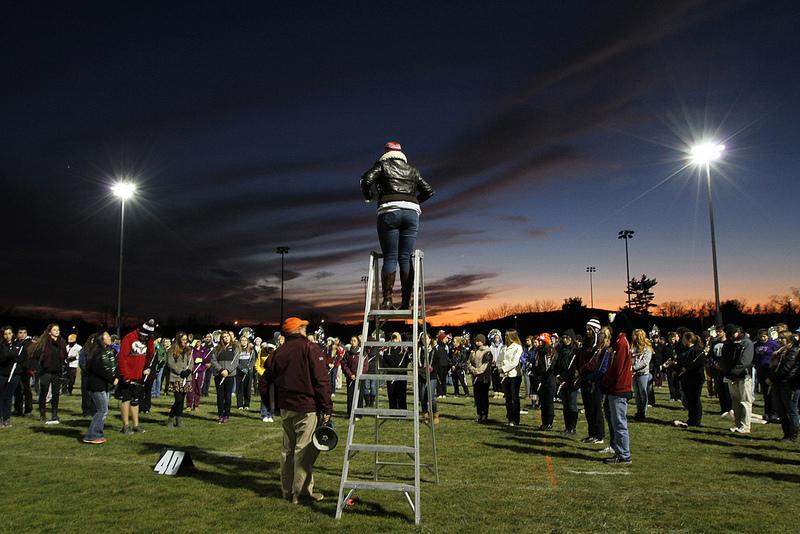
[(601, 473)]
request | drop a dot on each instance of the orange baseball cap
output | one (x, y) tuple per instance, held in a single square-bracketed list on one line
[(292, 324)]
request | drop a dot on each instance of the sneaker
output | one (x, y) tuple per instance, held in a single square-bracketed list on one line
[(523, 412), (596, 441), (727, 415), (607, 450), (220, 420), (96, 441), (739, 430), (265, 419), (270, 420), (587, 439), (616, 460), (511, 424), (333, 395), (53, 422), (127, 430), (226, 419), (139, 429)]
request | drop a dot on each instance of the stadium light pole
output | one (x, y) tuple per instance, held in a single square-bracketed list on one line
[(123, 191), (703, 155), (627, 234), (282, 251), (591, 270)]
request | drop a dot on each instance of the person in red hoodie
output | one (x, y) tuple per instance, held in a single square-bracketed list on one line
[(617, 384), (136, 351)]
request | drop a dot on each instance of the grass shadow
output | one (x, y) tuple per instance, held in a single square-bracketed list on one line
[(58, 430), (764, 458), (229, 472), (779, 476)]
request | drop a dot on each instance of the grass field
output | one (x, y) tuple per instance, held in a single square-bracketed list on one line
[(493, 479)]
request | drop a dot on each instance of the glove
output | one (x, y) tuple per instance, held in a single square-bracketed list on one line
[(185, 373)]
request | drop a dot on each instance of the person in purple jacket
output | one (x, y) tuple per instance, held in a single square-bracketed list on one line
[(763, 349), (201, 361)]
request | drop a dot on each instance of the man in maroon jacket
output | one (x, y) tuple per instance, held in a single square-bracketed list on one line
[(617, 384), (300, 374)]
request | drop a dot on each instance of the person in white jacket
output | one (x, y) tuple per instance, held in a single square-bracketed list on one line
[(510, 374)]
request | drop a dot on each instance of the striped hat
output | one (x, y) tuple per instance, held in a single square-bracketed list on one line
[(148, 328), (594, 324)]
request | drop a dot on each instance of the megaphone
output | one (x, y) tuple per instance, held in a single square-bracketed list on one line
[(325, 438)]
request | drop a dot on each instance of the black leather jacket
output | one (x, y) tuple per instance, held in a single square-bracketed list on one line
[(395, 180)]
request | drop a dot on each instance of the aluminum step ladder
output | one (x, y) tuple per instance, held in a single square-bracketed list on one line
[(408, 453)]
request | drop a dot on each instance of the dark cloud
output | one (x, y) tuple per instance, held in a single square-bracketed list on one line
[(321, 275)]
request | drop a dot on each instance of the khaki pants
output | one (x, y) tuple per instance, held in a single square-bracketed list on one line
[(742, 399), (299, 454)]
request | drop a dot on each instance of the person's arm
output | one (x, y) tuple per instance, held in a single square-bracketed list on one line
[(215, 363), (319, 378), (368, 179), (425, 191), (511, 360)]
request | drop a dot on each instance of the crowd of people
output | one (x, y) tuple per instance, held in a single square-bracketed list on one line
[(607, 365)]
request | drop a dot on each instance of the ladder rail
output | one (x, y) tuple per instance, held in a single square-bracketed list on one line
[(415, 375)]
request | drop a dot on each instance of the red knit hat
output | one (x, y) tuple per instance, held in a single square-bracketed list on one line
[(392, 145)]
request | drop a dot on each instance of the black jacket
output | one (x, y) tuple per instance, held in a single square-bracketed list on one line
[(100, 369), (783, 368), (395, 180), (692, 363), (9, 355), (441, 356), (737, 359)]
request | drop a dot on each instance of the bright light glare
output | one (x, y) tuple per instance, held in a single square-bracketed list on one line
[(124, 190), (705, 153)]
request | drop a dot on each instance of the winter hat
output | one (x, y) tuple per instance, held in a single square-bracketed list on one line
[(544, 338), (148, 328), (293, 324), (481, 338), (392, 146), (594, 324), (570, 333), (730, 330)]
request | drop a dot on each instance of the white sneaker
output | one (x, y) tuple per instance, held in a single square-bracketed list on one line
[(265, 420), (523, 412), (333, 395), (53, 422), (607, 450), (727, 415), (270, 420)]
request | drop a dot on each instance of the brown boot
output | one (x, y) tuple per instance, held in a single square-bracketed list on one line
[(424, 417), (407, 285), (387, 286), (435, 418)]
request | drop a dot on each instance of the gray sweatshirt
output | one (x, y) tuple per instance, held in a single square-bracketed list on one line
[(225, 358)]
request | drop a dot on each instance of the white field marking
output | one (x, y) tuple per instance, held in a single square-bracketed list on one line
[(601, 473)]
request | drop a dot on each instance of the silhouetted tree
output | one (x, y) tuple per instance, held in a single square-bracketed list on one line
[(641, 294), (572, 305)]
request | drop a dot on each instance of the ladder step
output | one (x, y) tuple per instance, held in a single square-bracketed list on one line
[(382, 344), (395, 314), (370, 447), (372, 485), (381, 376), (385, 412)]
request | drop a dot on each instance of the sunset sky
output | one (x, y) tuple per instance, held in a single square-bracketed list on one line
[(545, 128)]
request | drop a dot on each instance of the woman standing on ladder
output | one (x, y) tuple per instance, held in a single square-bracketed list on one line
[(401, 190)]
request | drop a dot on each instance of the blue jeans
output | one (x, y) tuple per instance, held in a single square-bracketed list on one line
[(370, 388), (100, 400), (617, 412), (640, 393), (332, 374), (155, 391), (397, 233), (424, 387)]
